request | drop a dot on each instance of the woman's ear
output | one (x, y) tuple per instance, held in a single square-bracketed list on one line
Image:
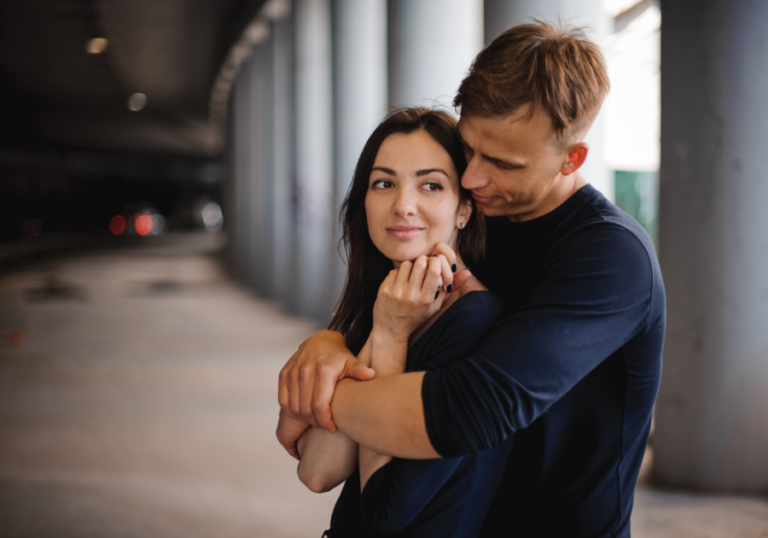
[(465, 211)]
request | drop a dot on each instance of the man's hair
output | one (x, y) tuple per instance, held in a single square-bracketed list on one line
[(554, 67)]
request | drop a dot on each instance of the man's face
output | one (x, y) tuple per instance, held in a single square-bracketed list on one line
[(513, 166)]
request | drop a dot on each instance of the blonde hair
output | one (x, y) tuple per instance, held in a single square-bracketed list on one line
[(553, 67)]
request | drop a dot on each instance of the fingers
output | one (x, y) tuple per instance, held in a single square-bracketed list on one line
[(289, 429), (445, 272), (460, 278), (416, 279), (433, 280), (359, 371), (322, 394), (450, 255), (283, 390), (305, 396)]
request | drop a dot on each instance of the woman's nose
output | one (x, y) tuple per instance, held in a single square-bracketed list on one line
[(405, 203)]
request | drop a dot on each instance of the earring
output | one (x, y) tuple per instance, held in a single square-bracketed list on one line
[(462, 225)]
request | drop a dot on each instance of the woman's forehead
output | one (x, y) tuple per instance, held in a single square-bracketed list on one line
[(412, 152)]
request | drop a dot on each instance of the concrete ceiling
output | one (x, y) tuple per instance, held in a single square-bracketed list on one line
[(55, 94)]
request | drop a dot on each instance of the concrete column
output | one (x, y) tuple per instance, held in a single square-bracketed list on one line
[(503, 14), (360, 95), (314, 155), (240, 218), (431, 46), (284, 264), (259, 155), (712, 412)]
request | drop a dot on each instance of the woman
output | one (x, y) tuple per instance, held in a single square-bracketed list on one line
[(406, 198)]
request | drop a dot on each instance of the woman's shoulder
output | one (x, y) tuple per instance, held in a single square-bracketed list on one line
[(459, 329), (478, 308)]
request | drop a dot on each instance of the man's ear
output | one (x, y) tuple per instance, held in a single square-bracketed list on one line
[(577, 154)]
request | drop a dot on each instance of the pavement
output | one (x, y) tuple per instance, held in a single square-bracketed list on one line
[(138, 398)]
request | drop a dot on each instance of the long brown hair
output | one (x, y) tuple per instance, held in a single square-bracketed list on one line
[(367, 267)]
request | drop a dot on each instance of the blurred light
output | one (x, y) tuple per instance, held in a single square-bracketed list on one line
[(212, 217), (16, 338), (117, 225), (159, 224), (143, 225), (137, 101), (97, 45)]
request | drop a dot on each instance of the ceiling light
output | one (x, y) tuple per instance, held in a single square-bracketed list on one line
[(137, 101), (97, 45)]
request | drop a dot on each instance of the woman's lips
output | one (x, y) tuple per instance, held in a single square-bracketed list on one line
[(482, 199), (404, 232)]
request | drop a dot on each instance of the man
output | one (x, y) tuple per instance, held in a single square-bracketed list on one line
[(572, 369)]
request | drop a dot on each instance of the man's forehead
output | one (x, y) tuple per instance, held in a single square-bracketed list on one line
[(518, 129)]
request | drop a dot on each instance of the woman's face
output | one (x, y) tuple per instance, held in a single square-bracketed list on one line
[(413, 197)]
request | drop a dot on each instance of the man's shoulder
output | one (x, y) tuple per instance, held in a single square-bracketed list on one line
[(595, 221)]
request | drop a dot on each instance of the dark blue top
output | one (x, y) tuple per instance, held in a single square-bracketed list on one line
[(570, 371), (430, 498)]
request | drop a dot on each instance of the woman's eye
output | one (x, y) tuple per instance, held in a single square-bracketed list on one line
[(433, 187), (381, 184)]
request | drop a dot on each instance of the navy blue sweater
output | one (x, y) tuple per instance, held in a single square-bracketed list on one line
[(435, 498), (570, 371)]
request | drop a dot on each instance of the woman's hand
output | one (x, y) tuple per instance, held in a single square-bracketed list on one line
[(410, 295), (289, 429)]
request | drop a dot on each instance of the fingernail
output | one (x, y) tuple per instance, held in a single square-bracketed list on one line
[(449, 288), (453, 268), (436, 294)]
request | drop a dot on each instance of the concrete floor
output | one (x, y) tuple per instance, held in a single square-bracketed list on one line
[(138, 398)]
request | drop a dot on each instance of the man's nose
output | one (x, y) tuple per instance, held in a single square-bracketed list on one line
[(474, 176)]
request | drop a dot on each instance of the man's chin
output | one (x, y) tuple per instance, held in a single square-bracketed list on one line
[(490, 210)]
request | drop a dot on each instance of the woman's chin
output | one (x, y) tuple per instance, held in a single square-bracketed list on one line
[(405, 255)]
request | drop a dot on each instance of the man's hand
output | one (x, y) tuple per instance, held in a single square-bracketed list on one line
[(308, 380), (289, 429)]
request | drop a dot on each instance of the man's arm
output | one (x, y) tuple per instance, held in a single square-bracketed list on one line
[(327, 459), (594, 298), (386, 415)]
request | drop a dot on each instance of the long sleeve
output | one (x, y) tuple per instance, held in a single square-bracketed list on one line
[(594, 297)]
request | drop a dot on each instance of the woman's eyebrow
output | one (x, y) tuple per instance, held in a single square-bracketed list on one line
[(385, 170), (430, 170)]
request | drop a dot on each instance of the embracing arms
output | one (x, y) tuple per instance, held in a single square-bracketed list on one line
[(326, 459), (594, 297)]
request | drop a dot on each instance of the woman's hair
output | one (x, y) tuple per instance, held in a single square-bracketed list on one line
[(367, 267)]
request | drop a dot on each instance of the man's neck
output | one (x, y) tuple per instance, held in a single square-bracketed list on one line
[(564, 188)]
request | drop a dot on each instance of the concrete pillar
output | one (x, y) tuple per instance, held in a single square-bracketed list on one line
[(284, 266), (360, 95), (431, 46), (503, 14), (712, 412), (240, 216), (314, 156), (259, 150)]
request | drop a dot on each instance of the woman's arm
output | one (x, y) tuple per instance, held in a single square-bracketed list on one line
[(327, 459), (387, 359)]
